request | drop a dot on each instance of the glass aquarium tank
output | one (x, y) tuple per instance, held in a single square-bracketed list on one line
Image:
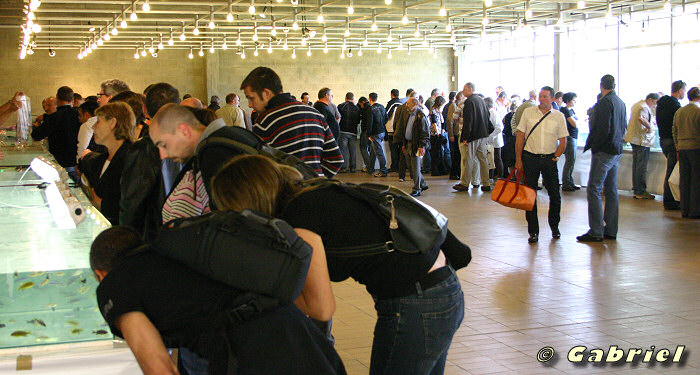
[(47, 290)]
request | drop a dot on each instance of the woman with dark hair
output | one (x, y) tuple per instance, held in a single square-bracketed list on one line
[(418, 297), (508, 149), (114, 129), (567, 178), (440, 158), (137, 102)]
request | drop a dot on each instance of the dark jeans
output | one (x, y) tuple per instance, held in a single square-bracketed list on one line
[(602, 179), (413, 333), (395, 150), (456, 169), (567, 174), (498, 171), (364, 151), (377, 152), (534, 166), (348, 145), (640, 159), (669, 150), (690, 182)]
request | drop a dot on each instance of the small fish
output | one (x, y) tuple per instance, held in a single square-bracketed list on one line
[(51, 305), (37, 321), (36, 274), (45, 282), (100, 332), (76, 331), (20, 333), (12, 321), (73, 322), (60, 273), (42, 338), (78, 273), (83, 289), (2, 325), (16, 275), (26, 285), (83, 280), (75, 300)]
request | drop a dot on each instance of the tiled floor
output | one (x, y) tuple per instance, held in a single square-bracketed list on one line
[(637, 292)]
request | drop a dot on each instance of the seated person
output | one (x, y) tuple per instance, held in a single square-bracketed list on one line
[(115, 130), (154, 302)]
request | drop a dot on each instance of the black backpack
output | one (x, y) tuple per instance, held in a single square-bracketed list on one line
[(247, 250)]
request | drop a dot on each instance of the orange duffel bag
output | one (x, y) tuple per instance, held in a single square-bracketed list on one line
[(511, 193)]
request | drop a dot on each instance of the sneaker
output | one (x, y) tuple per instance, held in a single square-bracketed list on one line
[(644, 195), (379, 174), (460, 187), (556, 234), (415, 193), (486, 188), (588, 238), (533, 238)]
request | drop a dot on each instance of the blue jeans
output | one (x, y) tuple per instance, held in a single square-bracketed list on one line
[(377, 152), (640, 158), (364, 151), (567, 174), (190, 363), (413, 333), (603, 176), (348, 145)]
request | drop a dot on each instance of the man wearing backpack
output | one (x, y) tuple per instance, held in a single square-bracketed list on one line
[(349, 120), (377, 131), (395, 149)]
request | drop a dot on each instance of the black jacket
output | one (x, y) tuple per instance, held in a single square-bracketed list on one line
[(143, 193), (420, 133), (61, 127), (107, 186), (330, 117), (607, 131), (377, 119), (476, 119), (666, 108), (349, 117), (400, 121)]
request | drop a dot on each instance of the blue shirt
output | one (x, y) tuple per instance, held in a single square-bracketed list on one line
[(409, 125)]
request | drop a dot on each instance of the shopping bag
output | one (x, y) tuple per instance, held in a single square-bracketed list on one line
[(511, 193), (674, 182)]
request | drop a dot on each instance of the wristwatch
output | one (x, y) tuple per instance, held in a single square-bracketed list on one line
[(556, 158)]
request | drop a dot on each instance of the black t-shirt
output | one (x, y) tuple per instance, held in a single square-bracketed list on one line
[(343, 221), (568, 112), (187, 308)]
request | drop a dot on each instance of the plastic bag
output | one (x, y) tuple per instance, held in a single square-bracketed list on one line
[(24, 120), (674, 182)]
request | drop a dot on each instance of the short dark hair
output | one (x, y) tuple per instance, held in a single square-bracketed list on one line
[(135, 100), (607, 82), (569, 96), (77, 96), (395, 92), (262, 78), (489, 102), (349, 96), (373, 96), (159, 95), (214, 99), (677, 86), (652, 96), (89, 107), (112, 245), (204, 115), (230, 97), (362, 100), (65, 94), (439, 101), (693, 93), (550, 89), (304, 93), (558, 95), (323, 92), (186, 96), (453, 95), (502, 94), (409, 91), (91, 98)]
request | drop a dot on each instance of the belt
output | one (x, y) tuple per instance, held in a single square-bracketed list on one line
[(528, 153), (429, 280)]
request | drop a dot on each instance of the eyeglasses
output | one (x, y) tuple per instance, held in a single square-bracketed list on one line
[(100, 94)]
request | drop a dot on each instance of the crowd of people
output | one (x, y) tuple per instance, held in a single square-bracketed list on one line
[(139, 156)]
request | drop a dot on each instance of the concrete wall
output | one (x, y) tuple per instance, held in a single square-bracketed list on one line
[(221, 72)]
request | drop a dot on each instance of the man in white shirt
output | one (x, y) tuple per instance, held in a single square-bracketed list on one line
[(541, 140), (231, 113)]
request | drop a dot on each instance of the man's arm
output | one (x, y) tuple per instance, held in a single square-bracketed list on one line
[(560, 148), (7, 109), (601, 124), (519, 144), (643, 115), (146, 343), (47, 127), (331, 157), (316, 299)]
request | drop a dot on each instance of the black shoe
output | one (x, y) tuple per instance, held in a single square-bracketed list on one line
[(588, 238), (609, 237), (475, 186), (415, 193), (556, 234), (576, 187), (533, 238), (568, 188), (454, 177), (426, 187), (486, 188)]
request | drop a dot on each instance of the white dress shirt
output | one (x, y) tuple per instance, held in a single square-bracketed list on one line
[(544, 139), (85, 135)]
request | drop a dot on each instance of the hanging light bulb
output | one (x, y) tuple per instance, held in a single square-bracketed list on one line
[(488, 3), (409, 50), (80, 55), (123, 24), (528, 11), (34, 5), (224, 45), (273, 32), (195, 31), (211, 25), (285, 46), (379, 48), (359, 52), (400, 47), (453, 38), (243, 55), (201, 50), (425, 40), (347, 27), (608, 13), (36, 28), (182, 34), (374, 21), (211, 47), (143, 51), (133, 16), (417, 33), (115, 32), (303, 42), (308, 51), (325, 48), (581, 4), (238, 41), (294, 53), (255, 32), (146, 6), (229, 17), (485, 18), (190, 56), (351, 9), (89, 49), (404, 20), (255, 53), (448, 26), (365, 42), (251, 8), (295, 25), (151, 49), (388, 56), (107, 37), (342, 55), (136, 54), (94, 46), (389, 38), (319, 19), (387, 2), (443, 11), (269, 48), (170, 40), (312, 34), (667, 5)]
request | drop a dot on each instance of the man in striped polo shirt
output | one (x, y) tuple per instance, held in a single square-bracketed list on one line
[(289, 125)]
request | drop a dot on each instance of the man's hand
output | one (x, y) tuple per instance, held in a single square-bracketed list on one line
[(370, 139), (465, 143), (421, 151), (519, 164), (452, 138)]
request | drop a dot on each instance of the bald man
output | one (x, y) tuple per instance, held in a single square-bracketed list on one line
[(192, 102)]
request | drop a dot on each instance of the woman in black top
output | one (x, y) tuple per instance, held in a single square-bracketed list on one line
[(418, 299), (508, 150), (115, 130), (567, 178)]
